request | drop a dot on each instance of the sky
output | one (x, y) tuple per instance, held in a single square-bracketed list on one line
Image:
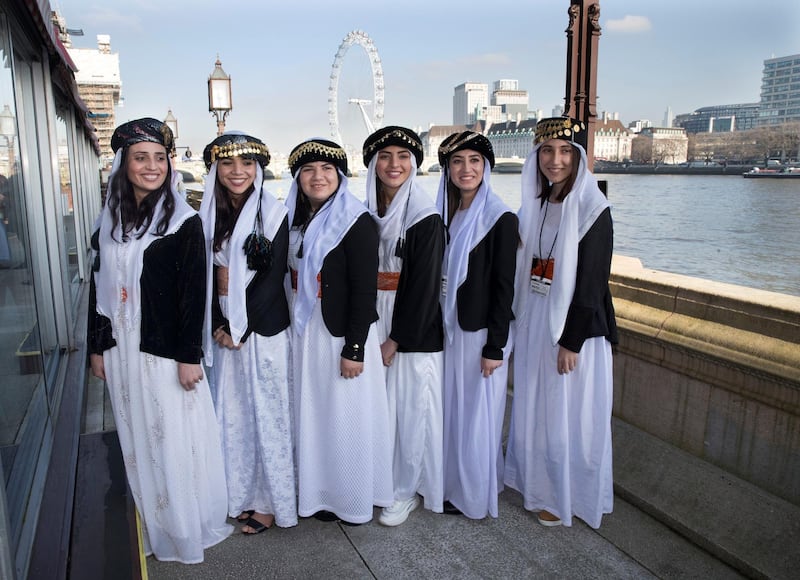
[(681, 54)]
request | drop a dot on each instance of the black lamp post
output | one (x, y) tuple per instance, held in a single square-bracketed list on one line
[(220, 102)]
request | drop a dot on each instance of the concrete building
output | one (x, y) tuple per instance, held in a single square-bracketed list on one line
[(638, 125), (660, 145), (512, 101), (512, 138), (780, 91), (469, 99), (612, 141), (720, 118), (99, 84)]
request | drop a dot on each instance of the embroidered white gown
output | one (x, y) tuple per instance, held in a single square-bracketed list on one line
[(342, 425), (253, 409), (169, 439)]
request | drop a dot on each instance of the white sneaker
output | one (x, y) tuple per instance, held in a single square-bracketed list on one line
[(397, 513)]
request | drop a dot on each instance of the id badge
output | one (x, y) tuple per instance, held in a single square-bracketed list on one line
[(540, 286), (444, 286)]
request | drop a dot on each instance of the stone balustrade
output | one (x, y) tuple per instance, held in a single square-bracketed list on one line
[(713, 369)]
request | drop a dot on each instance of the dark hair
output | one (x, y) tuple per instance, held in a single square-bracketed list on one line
[(226, 214), (135, 216), (547, 188)]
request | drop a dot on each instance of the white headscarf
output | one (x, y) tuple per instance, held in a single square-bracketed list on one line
[(239, 275), (580, 209), (411, 204), (325, 231), (110, 280), (478, 220)]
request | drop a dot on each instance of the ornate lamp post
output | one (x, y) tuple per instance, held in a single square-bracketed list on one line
[(219, 95), (583, 34)]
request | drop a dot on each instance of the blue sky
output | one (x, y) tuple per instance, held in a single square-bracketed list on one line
[(653, 54)]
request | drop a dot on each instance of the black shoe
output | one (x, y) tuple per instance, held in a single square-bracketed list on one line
[(325, 516), (451, 510)]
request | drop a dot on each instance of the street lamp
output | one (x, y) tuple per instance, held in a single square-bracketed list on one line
[(171, 122), (219, 95)]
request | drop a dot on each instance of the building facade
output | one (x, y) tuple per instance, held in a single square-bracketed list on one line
[(720, 118), (512, 101), (660, 146), (99, 86), (780, 91), (469, 99), (49, 197), (512, 138), (612, 141)]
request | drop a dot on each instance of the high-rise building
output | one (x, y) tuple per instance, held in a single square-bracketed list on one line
[(99, 86), (512, 101), (469, 99), (780, 91), (668, 117)]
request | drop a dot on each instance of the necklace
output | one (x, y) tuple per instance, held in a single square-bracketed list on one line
[(543, 264)]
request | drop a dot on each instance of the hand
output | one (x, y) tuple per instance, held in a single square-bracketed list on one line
[(566, 361), (488, 365), (222, 338), (189, 375), (350, 369), (98, 366), (388, 349)]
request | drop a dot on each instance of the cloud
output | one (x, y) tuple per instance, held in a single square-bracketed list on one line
[(630, 24)]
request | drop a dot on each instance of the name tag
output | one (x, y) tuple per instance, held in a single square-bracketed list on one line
[(444, 286), (540, 286)]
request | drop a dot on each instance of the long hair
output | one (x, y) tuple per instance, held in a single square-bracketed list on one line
[(226, 214), (547, 187), (133, 216)]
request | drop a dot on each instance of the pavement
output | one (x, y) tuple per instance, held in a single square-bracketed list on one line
[(674, 516)]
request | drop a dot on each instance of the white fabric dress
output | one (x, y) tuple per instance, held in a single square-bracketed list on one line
[(342, 439), (414, 379), (474, 409), (168, 436), (253, 408), (559, 454)]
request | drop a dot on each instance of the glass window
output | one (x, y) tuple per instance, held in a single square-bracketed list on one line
[(66, 199)]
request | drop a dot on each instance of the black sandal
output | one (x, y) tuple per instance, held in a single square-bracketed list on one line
[(256, 526), (245, 515)]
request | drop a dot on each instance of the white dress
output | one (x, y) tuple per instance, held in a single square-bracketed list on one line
[(342, 425), (474, 409), (414, 390), (559, 447), (169, 441), (253, 409)]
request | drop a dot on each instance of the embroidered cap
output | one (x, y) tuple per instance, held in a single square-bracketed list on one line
[(393, 135), (139, 130), (236, 144), (465, 140), (565, 128), (317, 150)]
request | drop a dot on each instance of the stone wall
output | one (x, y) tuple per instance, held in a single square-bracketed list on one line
[(713, 369)]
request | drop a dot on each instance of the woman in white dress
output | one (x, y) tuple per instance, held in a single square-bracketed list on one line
[(247, 331), (410, 326), (477, 292), (559, 448), (145, 339), (344, 456)]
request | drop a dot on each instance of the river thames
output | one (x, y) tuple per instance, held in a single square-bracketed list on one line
[(716, 227)]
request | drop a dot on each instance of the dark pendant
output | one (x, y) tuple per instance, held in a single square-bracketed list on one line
[(400, 248)]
